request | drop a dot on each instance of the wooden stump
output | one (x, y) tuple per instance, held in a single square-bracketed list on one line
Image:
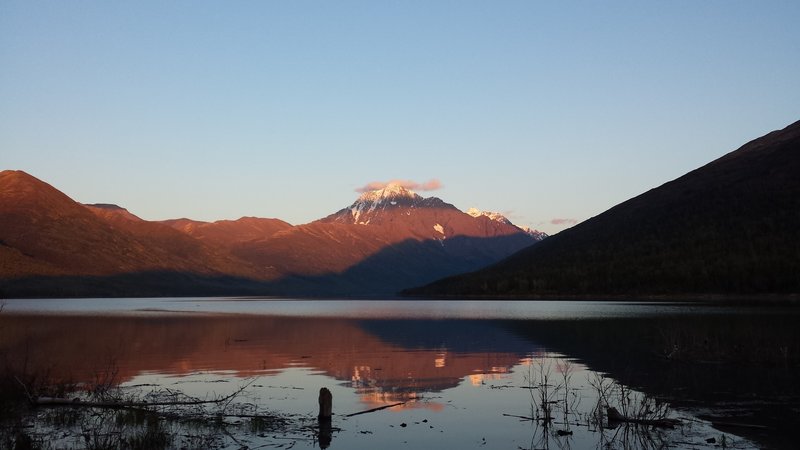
[(325, 413), (325, 404)]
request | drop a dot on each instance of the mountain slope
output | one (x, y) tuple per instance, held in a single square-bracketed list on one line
[(731, 227), (51, 245), (226, 233), (44, 224), (386, 240)]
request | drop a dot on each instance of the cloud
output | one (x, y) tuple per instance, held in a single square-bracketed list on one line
[(430, 185), (563, 222)]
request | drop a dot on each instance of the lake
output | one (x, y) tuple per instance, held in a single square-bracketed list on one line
[(448, 374)]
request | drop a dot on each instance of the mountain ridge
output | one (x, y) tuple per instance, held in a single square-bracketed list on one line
[(730, 227), (50, 243)]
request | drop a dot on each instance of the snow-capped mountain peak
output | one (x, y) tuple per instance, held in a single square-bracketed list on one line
[(391, 200), (391, 190), (497, 217), (363, 211), (536, 234)]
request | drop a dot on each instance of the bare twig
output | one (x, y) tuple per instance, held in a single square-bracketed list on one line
[(25, 388), (519, 417), (375, 409)]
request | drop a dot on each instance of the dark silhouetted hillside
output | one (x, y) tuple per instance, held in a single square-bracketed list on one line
[(731, 227)]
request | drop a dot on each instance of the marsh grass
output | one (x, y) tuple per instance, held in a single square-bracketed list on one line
[(161, 419), (645, 419), (630, 403), (554, 403)]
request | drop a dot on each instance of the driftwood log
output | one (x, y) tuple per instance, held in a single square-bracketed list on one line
[(615, 416)]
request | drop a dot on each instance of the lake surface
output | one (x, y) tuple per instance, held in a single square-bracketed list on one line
[(461, 374)]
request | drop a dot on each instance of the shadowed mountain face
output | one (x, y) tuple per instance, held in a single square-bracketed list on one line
[(730, 227), (381, 244), (53, 246)]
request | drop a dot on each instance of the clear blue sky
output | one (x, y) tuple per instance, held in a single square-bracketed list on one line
[(542, 110)]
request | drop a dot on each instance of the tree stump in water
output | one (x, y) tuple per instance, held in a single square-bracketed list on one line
[(325, 404), (325, 413)]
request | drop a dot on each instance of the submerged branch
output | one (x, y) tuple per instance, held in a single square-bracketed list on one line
[(519, 417), (376, 409), (615, 416)]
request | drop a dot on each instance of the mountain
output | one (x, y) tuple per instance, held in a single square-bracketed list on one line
[(387, 240), (496, 216), (112, 213), (54, 246), (731, 227), (381, 205), (226, 233), (536, 234), (475, 212)]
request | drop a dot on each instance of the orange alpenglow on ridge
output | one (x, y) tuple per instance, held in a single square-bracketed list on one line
[(387, 240)]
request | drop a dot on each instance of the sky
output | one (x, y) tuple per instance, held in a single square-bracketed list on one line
[(549, 112)]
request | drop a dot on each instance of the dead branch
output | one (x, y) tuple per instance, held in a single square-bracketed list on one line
[(25, 388), (520, 417), (376, 409), (615, 416)]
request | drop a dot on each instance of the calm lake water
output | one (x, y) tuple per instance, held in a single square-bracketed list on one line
[(467, 374)]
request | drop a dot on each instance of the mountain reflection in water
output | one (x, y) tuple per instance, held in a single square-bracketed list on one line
[(729, 366), (385, 361)]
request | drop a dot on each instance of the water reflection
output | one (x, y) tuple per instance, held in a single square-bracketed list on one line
[(461, 370), (384, 361)]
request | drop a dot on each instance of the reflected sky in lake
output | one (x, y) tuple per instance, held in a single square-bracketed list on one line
[(397, 309), (458, 366)]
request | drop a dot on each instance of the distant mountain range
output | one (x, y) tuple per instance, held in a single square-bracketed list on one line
[(387, 240), (730, 228)]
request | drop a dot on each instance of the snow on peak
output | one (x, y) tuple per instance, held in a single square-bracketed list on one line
[(391, 190), (497, 217), (536, 234), (389, 196), (474, 212)]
